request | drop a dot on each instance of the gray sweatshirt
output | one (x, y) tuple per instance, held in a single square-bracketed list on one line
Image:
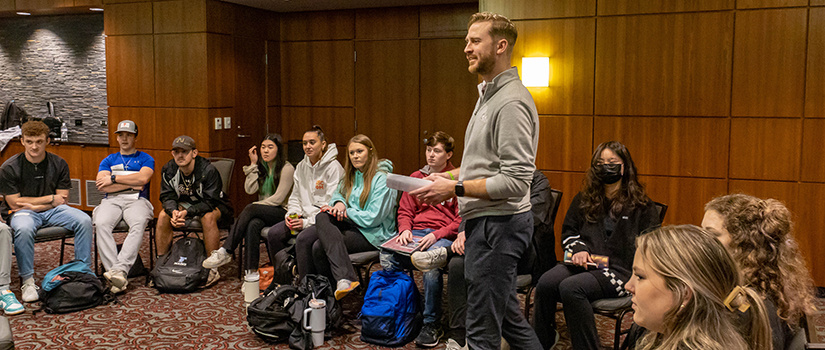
[(500, 145)]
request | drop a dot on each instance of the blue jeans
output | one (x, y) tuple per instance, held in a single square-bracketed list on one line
[(25, 223), (433, 279)]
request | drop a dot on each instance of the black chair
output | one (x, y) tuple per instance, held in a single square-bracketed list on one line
[(618, 308), (525, 283), (53, 233)]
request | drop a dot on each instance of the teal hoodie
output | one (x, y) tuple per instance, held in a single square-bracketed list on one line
[(376, 220)]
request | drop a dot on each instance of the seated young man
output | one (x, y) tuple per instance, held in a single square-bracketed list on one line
[(436, 225), (191, 187), (36, 184), (124, 177)]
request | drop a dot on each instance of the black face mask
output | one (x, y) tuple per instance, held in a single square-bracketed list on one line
[(608, 173)]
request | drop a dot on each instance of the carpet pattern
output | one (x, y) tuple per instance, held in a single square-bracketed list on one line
[(213, 318)]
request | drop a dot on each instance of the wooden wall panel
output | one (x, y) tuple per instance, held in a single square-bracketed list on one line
[(448, 92), (245, 19), (220, 65), (325, 25), (565, 143), (338, 123), (745, 4), (386, 99), (223, 139), (88, 3), (685, 197), (147, 129), (220, 17), (569, 184), (181, 78), (787, 192), (173, 122), (676, 64), (6, 5), (318, 74), (627, 7), (130, 71), (569, 43), (179, 16), (815, 85), (809, 224), (387, 23), (250, 93), (765, 149), (670, 146), (28, 5), (273, 120), (107, 2), (529, 9), (812, 167), (445, 21), (273, 73), (772, 43), (817, 2), (132, 18)]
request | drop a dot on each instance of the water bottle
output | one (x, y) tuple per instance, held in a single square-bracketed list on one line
[(64, 133)]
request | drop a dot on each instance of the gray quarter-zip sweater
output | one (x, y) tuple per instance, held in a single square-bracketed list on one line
[(500, 145)]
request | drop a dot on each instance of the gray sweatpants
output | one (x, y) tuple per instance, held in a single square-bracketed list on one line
[(5, 256), (494, 247), (107, 215)]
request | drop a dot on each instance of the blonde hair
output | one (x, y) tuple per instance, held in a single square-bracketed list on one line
[(701, 274), (501, 27), (369, 169), (763, 244)]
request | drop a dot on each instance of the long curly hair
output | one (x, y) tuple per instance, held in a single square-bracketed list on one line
[(370, 168), (763, 244), (630, 196), (700, 274)]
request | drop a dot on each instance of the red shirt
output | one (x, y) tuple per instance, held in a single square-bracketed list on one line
[(442, 217)]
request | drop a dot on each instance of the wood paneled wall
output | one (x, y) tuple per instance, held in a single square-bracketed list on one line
[(711, 97), (396, 75)]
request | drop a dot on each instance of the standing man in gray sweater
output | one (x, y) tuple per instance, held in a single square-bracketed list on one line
[(493, 188)]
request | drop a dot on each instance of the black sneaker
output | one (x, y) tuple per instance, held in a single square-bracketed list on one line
[(429, 335)]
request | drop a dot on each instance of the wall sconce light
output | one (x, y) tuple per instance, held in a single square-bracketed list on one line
[(535, 71), (24, 13), (95, 9)]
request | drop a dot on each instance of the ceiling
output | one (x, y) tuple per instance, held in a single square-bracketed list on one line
[(318, 5)]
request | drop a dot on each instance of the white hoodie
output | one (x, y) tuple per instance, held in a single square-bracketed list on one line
[(314, 185)]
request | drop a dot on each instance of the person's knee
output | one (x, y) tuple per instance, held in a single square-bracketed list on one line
[(210, 220), (571, 287)]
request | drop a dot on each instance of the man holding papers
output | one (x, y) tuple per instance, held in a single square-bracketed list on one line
[(436, 225), (124, 177)]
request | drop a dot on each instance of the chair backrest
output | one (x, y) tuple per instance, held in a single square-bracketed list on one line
[(555, 196), (662, 208), (225, 167)]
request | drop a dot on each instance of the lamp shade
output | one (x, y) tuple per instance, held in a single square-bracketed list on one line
[(535, 71)]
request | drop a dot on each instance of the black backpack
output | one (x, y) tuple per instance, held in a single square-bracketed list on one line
[(269, 316), (320, 287), (72, 287), (181, 269), (284, 266)]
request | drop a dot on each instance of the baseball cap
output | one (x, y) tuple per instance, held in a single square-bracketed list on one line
[(126, 126), (184, 142)]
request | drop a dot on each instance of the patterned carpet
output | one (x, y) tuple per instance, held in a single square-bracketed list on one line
[(213, 318)]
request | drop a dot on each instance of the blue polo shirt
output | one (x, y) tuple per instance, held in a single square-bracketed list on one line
[(131, 162)]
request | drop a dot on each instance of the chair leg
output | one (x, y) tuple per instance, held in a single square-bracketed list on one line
[(528, 303), (617, 336), (62, 249), (94, 238), (240, 259), (152, 224)]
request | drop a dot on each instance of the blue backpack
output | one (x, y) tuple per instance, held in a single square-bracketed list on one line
[(391, 314)]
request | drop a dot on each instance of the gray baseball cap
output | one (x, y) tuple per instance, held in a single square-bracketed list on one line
[(184, 142), (126, 126)]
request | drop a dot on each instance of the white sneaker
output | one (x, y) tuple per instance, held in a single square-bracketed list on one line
[(431, 259), (10, 304), (29, 294), (217, 259), (453, 345), (117, 278), (213, 278)]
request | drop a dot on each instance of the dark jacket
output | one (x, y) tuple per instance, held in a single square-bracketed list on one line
[(207, 184), (580, 235)]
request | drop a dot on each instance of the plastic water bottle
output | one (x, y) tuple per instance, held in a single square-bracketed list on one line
[(64, 133)]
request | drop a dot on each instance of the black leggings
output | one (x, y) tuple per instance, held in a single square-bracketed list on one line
[(252, 220), (325, 247)]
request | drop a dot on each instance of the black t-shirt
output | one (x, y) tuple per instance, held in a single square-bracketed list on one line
[(35, 175), (18, 175)]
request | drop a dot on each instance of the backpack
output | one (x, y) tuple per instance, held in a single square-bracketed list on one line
[(269, 316), (71, 287), (391, 314), (284, 265), (181, 269), (320, 287)]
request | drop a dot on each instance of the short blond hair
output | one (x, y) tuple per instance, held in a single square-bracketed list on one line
[(501, 27)]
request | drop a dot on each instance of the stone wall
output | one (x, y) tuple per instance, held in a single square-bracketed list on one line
[(61, 59)]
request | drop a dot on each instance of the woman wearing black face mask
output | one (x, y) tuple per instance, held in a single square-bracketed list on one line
[(603, 220)]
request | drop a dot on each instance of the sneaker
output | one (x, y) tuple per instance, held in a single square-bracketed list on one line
[(117, 278), (431, 259), (213, 278), (218, 258), (453, 345), (29, 294), (116, 290), (344, 287), (429, 335), (556, 341), (10, 304)]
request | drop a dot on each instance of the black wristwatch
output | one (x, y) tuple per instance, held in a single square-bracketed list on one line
[(459, 188), (113, 179)]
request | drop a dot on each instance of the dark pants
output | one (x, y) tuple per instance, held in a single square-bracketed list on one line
[(325, 247), (277, 238), (457, 297), (252, 220), (494, 246), (575, 288)]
